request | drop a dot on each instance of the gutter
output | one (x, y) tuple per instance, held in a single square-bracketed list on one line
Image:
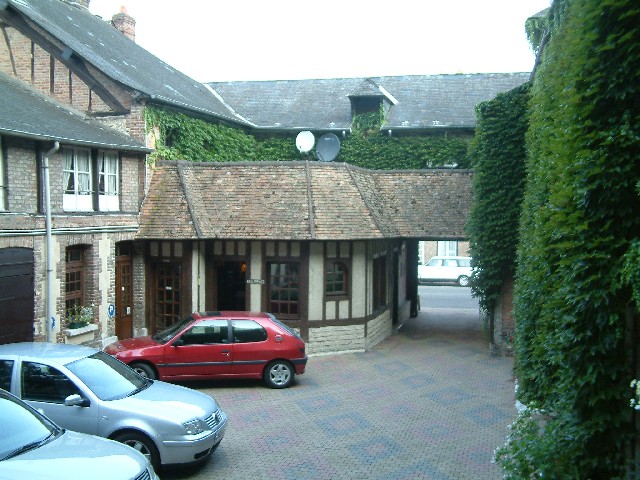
[(72, 141), (50, 319), (37, 232)]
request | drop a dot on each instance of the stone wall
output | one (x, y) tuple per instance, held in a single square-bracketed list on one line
[(349, 338)]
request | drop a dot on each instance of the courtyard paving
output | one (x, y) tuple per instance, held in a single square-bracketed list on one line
[(429, 402)]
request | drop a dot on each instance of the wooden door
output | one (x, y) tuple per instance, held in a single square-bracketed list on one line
[(167, 293), (124, 297), (16, 295)]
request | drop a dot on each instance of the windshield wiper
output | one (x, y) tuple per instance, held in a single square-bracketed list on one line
[(147, 382), (30, 446)]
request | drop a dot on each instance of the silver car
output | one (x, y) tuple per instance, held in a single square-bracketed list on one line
[(31, 446), (86, 390)]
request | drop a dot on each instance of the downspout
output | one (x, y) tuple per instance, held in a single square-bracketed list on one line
[(50, 319)]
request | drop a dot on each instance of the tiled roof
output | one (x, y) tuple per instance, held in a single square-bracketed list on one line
[(165, 209), (99, 43), (25, 112), (303, 201), (423, 101)]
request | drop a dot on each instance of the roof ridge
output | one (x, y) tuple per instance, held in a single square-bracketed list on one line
[(310, 204), (180, 168), (365, 199)]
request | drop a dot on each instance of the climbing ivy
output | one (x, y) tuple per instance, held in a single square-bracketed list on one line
[(578, 246), (498, 160), (187, 138), (536, 28)]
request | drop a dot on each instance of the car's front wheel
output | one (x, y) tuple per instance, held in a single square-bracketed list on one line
[(463, 281), (144, 370), (279, 374), (141, 443)]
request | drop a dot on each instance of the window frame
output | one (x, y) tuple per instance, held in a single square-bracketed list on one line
[(331, 280), (90, 180), (275, 305), (108, 191), (74, 266)]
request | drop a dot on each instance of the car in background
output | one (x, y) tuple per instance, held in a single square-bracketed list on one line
[(33, 447), (224, 344), (446, 270), (83, 389)]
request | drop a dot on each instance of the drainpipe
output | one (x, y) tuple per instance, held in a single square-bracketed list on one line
[(47, 207)]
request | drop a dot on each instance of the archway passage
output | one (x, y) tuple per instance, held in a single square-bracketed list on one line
[(16, 295)]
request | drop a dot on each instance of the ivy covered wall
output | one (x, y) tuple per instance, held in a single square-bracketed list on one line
[(498, 160), (186, 138), (575, 312)]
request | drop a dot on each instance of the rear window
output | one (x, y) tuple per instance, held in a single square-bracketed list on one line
[(285, 327), (465, 262)]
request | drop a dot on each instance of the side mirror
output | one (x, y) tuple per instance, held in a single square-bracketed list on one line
[(76, 400), (178, 343)]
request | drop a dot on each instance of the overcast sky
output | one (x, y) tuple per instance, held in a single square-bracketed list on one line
[(295, 39)]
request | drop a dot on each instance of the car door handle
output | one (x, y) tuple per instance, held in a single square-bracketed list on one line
[(225, 352)]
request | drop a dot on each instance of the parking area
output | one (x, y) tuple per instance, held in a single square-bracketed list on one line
[(427, 403)]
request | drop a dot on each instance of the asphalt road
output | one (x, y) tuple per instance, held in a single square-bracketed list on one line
[(448, 297)]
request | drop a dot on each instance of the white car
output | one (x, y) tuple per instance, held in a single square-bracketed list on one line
[(89, 391), (446, 269), (31, 446)]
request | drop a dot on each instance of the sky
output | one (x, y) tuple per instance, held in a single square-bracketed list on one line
[(214, 41)]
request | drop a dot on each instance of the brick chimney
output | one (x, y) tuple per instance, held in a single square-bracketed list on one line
[(124, 22)]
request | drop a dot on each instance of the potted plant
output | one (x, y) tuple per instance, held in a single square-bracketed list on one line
[(79, 316)]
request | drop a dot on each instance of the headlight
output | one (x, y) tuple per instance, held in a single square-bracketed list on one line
[(194, 427)]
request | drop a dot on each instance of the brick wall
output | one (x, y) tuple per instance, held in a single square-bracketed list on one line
[(22, 187), (508, 323)]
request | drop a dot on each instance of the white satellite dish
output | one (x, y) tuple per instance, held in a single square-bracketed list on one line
[(328, 147), (305, 141)]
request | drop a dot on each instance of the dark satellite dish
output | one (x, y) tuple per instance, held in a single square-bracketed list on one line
[(328, 147), (305, 141)]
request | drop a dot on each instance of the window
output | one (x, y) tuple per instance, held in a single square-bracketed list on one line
[(108, 182), (77, 180), (6, 369), (207, 332), (379, 282), (3, 180), (74, 278), (447, 248), (79, 191), (247, 331), (42, 383), (336, 279), (283, 288)]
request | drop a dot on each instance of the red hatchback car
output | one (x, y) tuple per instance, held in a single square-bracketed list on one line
[(218, 345)]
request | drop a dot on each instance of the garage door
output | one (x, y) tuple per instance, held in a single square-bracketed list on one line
[(16, 295)]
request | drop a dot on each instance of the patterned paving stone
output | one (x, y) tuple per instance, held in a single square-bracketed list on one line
[(427, 403)]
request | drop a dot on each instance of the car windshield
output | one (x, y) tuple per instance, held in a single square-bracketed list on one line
[(22, 429), (165, 335), (106, 377)]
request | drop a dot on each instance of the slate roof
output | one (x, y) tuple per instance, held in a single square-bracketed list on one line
[(27, 113), (102, 45), (303, 201), (423, 101)]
